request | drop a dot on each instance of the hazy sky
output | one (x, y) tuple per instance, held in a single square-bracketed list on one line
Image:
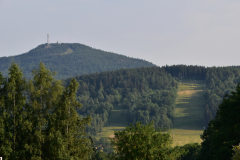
[(196, 32)]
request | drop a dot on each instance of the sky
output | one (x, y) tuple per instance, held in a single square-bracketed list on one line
[(164, 32)]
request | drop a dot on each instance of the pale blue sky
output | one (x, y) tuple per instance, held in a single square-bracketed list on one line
[(196, 32)]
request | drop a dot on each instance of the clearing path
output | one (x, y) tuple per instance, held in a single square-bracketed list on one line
[(189, 112)]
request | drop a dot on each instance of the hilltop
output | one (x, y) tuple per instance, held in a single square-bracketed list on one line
[(70, 59)]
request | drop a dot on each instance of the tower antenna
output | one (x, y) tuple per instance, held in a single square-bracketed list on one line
[(47, 40)]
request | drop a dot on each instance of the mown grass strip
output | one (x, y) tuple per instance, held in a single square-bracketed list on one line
[(188, 115)]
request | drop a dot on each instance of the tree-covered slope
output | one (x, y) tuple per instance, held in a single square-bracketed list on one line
[(70, 60), (146, 94), (219, 82)]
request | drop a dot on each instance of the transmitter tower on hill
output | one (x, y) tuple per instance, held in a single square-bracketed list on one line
[(48, 44), (47, 40)]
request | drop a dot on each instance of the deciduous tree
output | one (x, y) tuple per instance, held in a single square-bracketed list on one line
[(143, 142)]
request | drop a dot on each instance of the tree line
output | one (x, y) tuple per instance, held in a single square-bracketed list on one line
[(185, 71), (222, 137)]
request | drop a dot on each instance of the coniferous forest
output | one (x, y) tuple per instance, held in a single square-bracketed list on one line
[(45, 118)]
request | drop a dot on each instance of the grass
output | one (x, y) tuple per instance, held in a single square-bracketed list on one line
[(68, 51), (188, 114)]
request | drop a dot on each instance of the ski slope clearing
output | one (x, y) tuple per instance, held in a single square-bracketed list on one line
[(188, 122)]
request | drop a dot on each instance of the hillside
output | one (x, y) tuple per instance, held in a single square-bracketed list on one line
[(115, 98), (70, 60)]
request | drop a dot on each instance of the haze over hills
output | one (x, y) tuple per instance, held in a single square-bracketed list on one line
[(70, 59)]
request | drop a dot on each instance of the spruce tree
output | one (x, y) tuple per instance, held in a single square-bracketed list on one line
[(44, 93), (13, 112), (69, 138), (5, 145)]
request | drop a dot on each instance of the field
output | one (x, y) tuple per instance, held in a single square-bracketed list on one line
[(189, 121)]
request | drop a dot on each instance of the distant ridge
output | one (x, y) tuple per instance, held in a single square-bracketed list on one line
[(70, 59)]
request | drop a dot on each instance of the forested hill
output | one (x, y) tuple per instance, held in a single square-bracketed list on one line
[(145, 94), (70, 59)]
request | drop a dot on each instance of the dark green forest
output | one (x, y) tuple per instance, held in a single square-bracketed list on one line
[(69, 60), (219, 82), (146, 93), (223, 132), (185, 71)]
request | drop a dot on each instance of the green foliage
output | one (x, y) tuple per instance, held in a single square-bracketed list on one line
[(67, 124), (190, 151), (43, 97), (143, 142), (13, 113), (223, 131), (236, 154), (47, 125), (70, 59), (104, 145), (219, 81), (104, 156)]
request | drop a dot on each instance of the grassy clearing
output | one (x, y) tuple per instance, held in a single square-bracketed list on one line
[(117, 119), (189, 120), (109, 131)]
